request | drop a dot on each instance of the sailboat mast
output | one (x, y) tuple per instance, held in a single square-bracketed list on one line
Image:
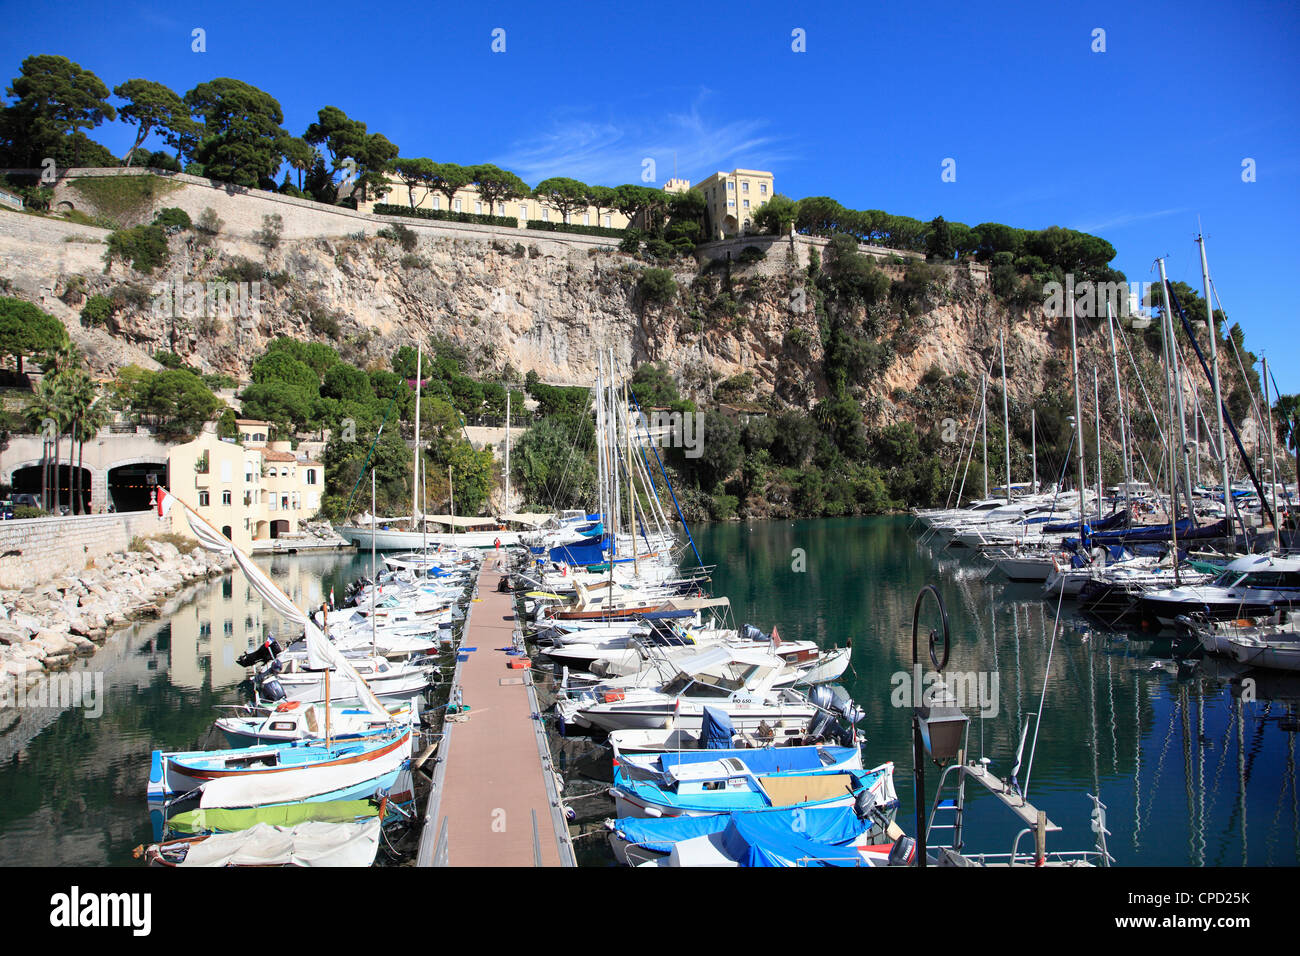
[(508, 509), (1166, 333), (1272, 458), (631, 487), (374, 577), (1096, 404), (1228, 504), (1006, 417), (1176, 365), (1119, 398), (984, 423), (1078, 413), (1033, 445), (415, 477)]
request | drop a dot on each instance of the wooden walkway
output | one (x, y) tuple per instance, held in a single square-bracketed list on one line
[(494, 783)]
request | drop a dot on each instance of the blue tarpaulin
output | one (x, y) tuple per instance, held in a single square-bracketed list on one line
[(757, 839), (830, 827), (586, 551), (716, 729), (1105, 524)]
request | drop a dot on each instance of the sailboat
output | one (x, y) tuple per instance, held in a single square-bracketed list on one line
[(286, 773)]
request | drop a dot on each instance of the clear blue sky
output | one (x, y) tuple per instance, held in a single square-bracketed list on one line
[(1132, 144)]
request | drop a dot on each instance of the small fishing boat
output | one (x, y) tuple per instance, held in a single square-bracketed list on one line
[(308, 844), (291, 720), (747, 780), (282, 773), (823, 833)]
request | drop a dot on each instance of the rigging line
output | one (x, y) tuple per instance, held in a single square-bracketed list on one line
[(1047, 673), (577, 437)]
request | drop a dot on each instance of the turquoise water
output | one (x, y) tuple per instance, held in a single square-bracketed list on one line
[(1191, 775)]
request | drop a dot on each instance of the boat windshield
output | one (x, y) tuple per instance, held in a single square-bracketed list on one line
[(1227, 579)]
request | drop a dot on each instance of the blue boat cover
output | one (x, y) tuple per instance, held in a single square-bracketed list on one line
[(1105, 524), (586, 551), (828, 826), (592, 530), (595, 517), (753, 840), (761, 760), (716, 729), (1153, 533)]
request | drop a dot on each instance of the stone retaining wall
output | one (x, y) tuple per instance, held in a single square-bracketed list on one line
[(34, 550)]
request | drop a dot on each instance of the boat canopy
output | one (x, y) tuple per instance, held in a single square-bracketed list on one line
[(534, 519), (584, 552), (461, 521)]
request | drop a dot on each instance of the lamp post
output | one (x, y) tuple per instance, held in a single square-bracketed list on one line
[(936, 730)]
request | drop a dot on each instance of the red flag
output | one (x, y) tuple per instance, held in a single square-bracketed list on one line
[(776, 638)]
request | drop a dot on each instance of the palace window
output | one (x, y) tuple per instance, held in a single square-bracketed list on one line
[(731, 187), (458, 205), (762, 189), (225, 497), (523, 211), (744, 187), (437, 202), (478, 209), (203, 499), (311, 476)]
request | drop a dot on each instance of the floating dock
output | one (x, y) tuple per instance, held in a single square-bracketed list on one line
[(495, 798)]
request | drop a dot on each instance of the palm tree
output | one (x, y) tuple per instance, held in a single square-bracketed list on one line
[(45, 414), (80, 395), (94, 417)]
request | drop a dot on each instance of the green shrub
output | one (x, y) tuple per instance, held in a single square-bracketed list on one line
[(444, 215), (145, 247), (97, 311), (548, 226), (414, 262), (324, 323), (656, 287), (209, 223), (27, 511), (751, 254), (172, 220), (242, 270)]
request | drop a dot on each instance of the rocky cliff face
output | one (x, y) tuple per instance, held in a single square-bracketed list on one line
[(549, 306)]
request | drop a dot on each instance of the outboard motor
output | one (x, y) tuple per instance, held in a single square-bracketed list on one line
[(845, 736), (903, 852), (271, 690), (268, 651), (822, 697), (864, 804), (844, 705), (820, 728), (751, 633)]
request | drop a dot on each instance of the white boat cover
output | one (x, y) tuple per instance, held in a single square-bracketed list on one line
[(314, 843), (321, 654)]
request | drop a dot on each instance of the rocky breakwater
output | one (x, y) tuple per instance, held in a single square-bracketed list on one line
[(45, 626)]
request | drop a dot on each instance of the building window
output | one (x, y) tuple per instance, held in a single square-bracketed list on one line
[(225, 497), (203, 499), (247, 525), (762, 189), (501, 209), (607, 222), (523, 211), (478, 209), (270, 472), (731, 187), (744, 187), (458, 205), (437, 202), (546, 214), (311, 476), (746, 202), (731, 204), (284, 502), (586, 219)]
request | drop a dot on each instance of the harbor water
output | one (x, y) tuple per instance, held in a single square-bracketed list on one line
[(1194, 769)]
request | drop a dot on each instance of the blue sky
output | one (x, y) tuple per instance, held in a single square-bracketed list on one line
[(1134, 143)]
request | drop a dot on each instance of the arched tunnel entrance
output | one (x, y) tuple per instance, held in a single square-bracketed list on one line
[(129, 488), (50, 485)]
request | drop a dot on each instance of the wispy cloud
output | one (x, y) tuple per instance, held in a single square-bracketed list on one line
[(612, 152), (1125, 219)]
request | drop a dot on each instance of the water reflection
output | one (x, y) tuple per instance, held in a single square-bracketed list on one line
[(1192, 770), (75, 787)]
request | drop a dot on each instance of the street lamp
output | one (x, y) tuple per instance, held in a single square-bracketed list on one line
[(938, 730)]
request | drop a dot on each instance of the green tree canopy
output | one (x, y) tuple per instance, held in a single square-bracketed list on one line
[(241, 137), (26, 330), (562, 194), (150, 107), (54, 98)]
